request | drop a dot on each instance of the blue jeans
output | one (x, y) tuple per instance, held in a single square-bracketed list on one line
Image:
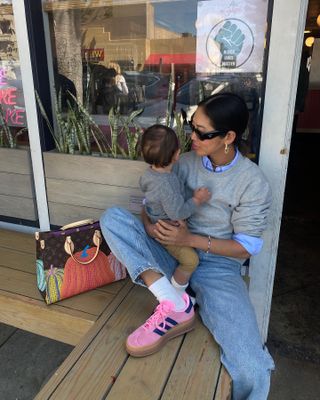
[(221, 294)]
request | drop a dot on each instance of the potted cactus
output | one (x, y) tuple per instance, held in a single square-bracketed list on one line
[(91, 168)]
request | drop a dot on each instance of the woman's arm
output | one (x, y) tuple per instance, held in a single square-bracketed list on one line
[(221, 247), (181, 236)]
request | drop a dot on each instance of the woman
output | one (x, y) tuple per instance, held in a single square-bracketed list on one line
[(225, 231), (119, 78)]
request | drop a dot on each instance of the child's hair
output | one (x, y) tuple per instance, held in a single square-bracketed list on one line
[(227, 112), (158, 145)]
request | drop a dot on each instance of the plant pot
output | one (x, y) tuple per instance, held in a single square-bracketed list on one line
[(17, 197), (81, 187)]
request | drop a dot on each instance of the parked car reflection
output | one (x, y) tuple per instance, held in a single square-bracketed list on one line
[(144, 87)]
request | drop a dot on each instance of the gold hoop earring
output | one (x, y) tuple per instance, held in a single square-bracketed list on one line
[(226, 148)]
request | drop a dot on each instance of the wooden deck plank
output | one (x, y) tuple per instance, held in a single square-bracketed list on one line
[(223, 391), (34, 316), (12, 258), (145, 378), (83, 346), (114, 287), (99, 366), (19, 282), (93, 375), (25, 284), (188, 381), (92, 302), (15, 240), (67, 320)]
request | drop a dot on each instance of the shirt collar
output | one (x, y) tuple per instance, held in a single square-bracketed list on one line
[(207, 163)]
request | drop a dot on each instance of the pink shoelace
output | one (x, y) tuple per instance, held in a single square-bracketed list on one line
[(159, 316)]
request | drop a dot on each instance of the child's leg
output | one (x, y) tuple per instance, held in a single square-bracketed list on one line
[(181, 276), (188, 261), (148, 263)]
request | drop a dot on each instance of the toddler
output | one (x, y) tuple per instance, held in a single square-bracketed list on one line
[(165, 194)]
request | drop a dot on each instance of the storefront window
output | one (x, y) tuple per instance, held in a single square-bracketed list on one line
[(17, 194), (12, 110), (158, 56)]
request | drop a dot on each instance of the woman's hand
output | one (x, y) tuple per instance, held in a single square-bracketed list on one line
[(169, 234)]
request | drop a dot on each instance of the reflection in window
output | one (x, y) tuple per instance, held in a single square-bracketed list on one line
[(140, 45), (12, 110), (137, 56)]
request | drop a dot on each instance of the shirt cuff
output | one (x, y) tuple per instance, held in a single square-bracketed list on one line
[(252, 244)]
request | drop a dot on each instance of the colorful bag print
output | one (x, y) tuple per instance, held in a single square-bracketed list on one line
[(73, 260)]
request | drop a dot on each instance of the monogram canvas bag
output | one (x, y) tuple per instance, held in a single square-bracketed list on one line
[(73, 260)]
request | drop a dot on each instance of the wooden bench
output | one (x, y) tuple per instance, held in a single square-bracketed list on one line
[(97, 323), (22, 306)]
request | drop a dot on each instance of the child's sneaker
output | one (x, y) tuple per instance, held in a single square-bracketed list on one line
[(164, 324)]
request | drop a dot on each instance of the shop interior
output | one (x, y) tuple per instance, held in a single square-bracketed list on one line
[(294, 323)]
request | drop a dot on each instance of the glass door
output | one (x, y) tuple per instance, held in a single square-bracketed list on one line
[(17, 198)]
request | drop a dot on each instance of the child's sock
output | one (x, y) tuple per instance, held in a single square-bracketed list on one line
[(163, 290), (181, 288)]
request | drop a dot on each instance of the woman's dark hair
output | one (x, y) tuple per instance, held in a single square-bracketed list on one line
[(227, 112), (158, 145)]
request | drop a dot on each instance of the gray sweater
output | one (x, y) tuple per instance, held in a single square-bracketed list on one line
[(165, 196), (240, 200)]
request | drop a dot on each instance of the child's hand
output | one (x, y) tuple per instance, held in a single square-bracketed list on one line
[(173, 223), (201, 195)]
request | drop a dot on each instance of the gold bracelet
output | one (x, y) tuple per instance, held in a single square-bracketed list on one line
[(209, 244)]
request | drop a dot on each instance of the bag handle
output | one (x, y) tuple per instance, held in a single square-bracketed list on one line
[(69, 247), (77, 223)]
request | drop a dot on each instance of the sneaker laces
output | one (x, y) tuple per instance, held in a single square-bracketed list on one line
[(159, 315)]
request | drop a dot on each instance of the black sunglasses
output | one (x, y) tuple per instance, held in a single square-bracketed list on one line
[(206, 135)]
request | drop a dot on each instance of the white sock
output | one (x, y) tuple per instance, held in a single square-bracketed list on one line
[(180, 288), (163, 290)]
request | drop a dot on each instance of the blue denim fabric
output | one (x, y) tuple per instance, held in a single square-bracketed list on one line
[(221, 294)]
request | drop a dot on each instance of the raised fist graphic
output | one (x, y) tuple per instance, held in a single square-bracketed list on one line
[(230, 38)]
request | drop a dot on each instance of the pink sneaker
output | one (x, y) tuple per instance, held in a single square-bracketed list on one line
[(164, 324)]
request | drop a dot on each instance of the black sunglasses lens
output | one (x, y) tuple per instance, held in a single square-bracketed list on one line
[(204, 136), (195, 130), (200, 135)]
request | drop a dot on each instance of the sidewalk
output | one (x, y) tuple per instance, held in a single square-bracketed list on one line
[(294, 330), (26, 362)]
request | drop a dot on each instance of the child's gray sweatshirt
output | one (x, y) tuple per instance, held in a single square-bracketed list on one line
[(164, 196), (240, 197)]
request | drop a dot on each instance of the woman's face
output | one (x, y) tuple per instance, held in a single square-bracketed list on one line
[(209, 147)]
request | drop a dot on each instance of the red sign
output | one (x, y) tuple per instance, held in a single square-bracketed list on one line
[(93, 55), (11, 101)]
